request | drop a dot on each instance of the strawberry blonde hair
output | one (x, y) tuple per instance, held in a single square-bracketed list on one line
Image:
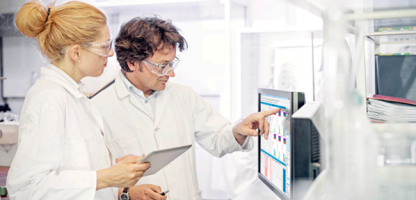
[(71, 23)]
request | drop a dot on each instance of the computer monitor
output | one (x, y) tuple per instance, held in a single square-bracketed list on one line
[(395, 76), (275, 154), (308, 147)]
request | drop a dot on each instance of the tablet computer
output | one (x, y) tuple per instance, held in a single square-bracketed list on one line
[(160, 158)]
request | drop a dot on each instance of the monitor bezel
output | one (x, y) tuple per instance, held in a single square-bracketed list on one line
[(290, 95)]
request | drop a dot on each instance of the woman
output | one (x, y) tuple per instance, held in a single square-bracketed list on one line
[(61, 152)]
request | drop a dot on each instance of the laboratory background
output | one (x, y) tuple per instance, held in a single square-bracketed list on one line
[(354, 61)]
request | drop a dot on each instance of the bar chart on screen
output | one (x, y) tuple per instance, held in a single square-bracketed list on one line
[(275, 153)]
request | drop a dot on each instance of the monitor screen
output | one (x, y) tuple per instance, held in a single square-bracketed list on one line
[(275, 151), (398, 81)]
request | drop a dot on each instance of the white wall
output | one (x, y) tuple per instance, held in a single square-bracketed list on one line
[(22, 61), (278, 14)]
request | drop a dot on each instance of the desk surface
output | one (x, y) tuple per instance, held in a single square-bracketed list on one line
[(258, 191)]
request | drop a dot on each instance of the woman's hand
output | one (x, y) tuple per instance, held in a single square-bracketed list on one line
[(125, 173), (125, 157)]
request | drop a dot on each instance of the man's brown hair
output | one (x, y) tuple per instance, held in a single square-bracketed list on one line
[(141, 37)]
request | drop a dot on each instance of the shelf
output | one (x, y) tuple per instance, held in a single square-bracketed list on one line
[(388, 14), (398, 42), (390, 33), (393, 37)]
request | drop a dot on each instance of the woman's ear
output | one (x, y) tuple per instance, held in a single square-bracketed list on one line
[(75, 53)]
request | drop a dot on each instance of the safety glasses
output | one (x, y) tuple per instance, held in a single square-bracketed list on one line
[(162, 69), (101, 49)]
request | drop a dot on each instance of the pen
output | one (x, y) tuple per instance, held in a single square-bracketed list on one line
[(165, 192)]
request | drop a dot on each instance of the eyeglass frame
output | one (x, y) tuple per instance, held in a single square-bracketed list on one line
[(176, 60), (100, 45)]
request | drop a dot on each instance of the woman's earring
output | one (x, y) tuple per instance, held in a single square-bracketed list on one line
[(79, 61)]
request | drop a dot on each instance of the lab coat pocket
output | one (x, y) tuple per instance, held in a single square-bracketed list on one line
[(124, 146)]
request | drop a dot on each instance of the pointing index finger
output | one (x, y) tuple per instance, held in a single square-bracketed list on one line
[(270, 112)]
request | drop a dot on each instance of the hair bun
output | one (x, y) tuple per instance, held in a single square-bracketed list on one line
[(56, 31), (30, 19)]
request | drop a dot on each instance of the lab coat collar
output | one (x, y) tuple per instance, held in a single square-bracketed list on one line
[(161, 100), (51, 72), (123, 91), (121, 88), (133, 89)]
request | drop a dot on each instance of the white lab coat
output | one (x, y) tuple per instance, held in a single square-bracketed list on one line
[(182, 117), (60, 145)]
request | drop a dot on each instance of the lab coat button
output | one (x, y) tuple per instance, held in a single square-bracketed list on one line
[(145, 101), (156, 129)]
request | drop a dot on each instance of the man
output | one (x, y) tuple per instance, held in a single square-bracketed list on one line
[(144, 112)]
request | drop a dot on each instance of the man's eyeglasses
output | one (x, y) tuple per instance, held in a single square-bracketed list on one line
[(162, 69)]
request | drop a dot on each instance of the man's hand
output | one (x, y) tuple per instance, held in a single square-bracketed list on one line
[(145, 192), (249, 125)]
